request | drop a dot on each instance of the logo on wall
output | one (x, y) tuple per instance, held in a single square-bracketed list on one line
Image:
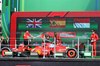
[(34, 23), (67, 34), (62, 34), (81, 23), (57, 23), (85, 35)]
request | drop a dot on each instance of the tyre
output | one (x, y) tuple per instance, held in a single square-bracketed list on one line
[(70, 53), (5, 49)]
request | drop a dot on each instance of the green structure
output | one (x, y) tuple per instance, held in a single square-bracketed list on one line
[(10, 6)]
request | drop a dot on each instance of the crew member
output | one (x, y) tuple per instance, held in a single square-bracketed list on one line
[(26, 36), (94, 37), (8, 40), (58, 38), (3, 42), (47, 38)]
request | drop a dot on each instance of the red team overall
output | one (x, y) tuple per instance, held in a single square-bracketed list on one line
[(26, 36), (94, 37), (47, 38), (58, 38)]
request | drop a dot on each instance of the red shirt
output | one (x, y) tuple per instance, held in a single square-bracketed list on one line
[(41, 36), (94, 37), (26, 34), (58, 39)]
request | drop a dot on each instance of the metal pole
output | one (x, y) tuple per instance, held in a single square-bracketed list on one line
[(78, 47), (92, 51), (28, 41), (68, 45), (54, 47), (15, 9), (15, 44), (87, 45), (0, 45), (72, 43), (57, 42), (44, 48)]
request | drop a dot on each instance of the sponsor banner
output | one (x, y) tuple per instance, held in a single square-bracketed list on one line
[(85, 35), (62, 34), (67, 34)]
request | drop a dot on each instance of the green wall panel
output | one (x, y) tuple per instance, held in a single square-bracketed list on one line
[(58, 5), (44, 5)]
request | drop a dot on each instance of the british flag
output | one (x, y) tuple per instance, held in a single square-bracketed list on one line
[(34, 23)]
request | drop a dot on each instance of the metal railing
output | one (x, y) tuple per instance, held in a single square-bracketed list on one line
[(72, 43)]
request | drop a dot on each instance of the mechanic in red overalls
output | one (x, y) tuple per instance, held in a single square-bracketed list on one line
[(58, 38), (47, 38), (26, 36), (94, 37)]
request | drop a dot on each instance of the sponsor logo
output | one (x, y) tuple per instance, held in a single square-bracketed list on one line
[(62, 34), (67, 34)]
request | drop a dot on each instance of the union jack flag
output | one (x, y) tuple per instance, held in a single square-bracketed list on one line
[(34, 23)]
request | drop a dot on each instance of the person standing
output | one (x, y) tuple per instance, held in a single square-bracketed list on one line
[(94, 37), (3, 41), (58, 38), (47, 38), (26, 36), (8, 40)]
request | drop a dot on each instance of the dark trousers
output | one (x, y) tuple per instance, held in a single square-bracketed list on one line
[(25, 42)]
